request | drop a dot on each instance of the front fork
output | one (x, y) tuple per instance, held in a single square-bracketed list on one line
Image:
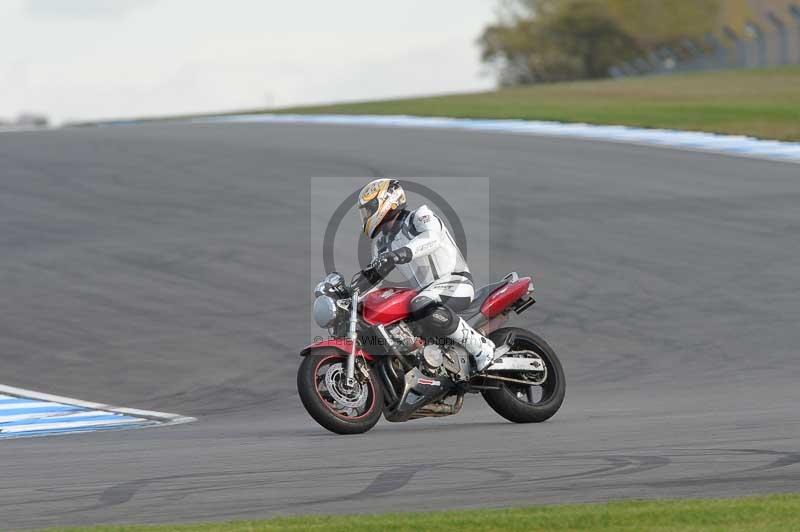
[(350, 380)]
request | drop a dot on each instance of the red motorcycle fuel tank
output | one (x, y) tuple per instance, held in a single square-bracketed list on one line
[(387, 305)]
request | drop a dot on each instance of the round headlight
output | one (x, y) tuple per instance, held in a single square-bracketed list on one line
[(324, 311)]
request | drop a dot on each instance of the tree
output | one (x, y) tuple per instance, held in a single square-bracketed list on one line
[(659, 22), (586, 30), (556, 40)]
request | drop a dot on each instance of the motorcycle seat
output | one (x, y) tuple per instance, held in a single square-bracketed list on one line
[(480, 296)]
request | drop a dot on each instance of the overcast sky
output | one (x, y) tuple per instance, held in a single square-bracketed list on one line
[(78, 59)]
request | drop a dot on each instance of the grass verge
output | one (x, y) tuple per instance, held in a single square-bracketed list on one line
[(762, 103), (767, 513)]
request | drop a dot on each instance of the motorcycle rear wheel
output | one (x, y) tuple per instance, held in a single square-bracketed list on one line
[(517, 402), (336, 408)]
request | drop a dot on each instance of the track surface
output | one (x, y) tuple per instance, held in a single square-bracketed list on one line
[(157, 267)]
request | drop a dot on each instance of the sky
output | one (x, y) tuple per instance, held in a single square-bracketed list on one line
[(86, 59)]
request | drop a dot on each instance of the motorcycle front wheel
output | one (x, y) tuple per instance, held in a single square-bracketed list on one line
[(528, 403), (343, 410)]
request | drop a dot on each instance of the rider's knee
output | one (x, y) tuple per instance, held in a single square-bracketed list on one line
[(435, 317), (420, 307), (443, 320)]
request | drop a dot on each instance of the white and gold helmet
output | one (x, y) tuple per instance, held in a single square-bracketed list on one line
[(378, 201)]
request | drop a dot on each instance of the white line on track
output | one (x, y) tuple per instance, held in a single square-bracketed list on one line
[(26, 404), (19, 429), (159, 416), (30, 413), (735, 145)]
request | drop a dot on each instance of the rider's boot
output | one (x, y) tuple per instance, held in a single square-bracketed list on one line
[(477, 345)]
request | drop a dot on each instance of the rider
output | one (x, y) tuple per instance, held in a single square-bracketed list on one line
[(419, 245)]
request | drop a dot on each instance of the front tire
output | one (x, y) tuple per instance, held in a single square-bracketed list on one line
[(343, 411), (517, 402)]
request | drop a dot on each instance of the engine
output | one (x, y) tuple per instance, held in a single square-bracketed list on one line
[(403, 339), (446, 360), (432, 359)]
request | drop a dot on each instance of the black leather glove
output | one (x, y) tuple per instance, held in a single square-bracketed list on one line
[(379, 268), (373, 274), (364, 280), (384, 263), (389, 259)]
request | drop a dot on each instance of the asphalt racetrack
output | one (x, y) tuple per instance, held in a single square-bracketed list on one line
[(165, 267)]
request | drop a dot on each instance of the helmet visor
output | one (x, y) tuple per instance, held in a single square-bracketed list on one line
[(368, 210)]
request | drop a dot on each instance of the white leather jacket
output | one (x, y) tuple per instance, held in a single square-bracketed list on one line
[(434, 253)]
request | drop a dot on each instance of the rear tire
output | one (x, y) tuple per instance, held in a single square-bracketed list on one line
[(322, 405), (506, 400)]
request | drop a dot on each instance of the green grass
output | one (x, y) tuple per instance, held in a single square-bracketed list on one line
[(751, 514), (763, 103)]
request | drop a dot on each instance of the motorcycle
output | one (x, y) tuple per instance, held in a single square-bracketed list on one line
[(377, 362)]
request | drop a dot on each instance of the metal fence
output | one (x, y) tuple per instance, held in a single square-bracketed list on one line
[(772, 41)]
